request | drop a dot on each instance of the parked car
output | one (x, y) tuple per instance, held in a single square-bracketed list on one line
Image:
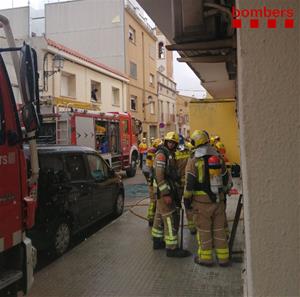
[(76, 188)]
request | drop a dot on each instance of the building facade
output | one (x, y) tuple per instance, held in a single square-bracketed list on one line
[(113, 33), (182, 115), (78, 80), (68, 77), (166, 104), (166, 87)]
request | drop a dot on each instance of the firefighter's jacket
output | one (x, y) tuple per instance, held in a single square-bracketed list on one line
[(143, 148), (182, 157), (165, 173), (148, 166), (197, 179)]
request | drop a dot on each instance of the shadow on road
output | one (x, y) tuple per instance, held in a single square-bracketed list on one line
[(44, 258)]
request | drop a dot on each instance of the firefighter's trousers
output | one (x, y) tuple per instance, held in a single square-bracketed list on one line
[(152, 204), (165, 226), (209, 219), (188, 212)]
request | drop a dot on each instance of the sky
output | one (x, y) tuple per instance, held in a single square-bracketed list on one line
[(187, 82)]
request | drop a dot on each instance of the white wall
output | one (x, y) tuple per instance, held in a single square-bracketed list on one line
[(92, 27), (19, 21), (268, 91)]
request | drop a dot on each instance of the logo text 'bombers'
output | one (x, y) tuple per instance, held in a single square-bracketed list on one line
[(258, 16)]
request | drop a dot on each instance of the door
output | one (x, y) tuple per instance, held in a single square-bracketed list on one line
[(80, 196), (104, 186), (12, 166), (85, 131)]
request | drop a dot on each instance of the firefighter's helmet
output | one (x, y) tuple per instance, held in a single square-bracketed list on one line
[(188, 145), (199, 137), (172, 136), (156, 142), (220, 147)]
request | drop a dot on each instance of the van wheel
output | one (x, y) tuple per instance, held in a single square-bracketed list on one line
[(61, 238), (119, 205), (131, 171)]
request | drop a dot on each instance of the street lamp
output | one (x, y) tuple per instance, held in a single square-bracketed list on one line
[(58, 64)]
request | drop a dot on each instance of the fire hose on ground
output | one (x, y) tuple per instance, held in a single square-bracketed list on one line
[(234, 221)]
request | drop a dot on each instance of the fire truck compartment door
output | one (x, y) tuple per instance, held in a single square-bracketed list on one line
[(85, 131)]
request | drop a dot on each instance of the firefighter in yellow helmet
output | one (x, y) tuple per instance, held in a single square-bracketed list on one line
[(165, 226), (148, 172), (182, 155), (143, 147), (206, 185)]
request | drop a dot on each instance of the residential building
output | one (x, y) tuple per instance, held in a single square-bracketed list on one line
[(112, 32), (182, 115), (166, 103), (79, 80), (116, 34), (166, 87), (68, 77)]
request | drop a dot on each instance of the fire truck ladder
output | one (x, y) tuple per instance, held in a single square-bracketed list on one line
[(62, 131)]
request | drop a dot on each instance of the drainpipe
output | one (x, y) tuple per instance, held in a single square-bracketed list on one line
[(143, 68)]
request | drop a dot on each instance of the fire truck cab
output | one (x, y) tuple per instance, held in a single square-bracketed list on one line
[(17, 194), (112, 134)]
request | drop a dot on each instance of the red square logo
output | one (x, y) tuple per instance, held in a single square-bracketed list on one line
[(236, 23), (289, 23), (254, 23), (272, 23)]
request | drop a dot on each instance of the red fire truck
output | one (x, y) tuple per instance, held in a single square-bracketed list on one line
[(112, 134), (17, 193)]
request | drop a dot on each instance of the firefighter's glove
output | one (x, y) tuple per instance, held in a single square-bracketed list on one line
[(167, 199), (187, 203)]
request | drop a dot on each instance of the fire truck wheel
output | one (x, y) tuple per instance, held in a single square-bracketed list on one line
[(130, 172), (119, 205), (61, 238)]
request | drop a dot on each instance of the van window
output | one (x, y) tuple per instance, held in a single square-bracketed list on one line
[(76, 167), (51, 162), (98, 168), (51, 169)]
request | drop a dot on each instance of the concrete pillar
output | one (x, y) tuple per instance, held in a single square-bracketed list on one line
[(268, 98)]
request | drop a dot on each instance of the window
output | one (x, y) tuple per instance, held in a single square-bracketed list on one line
[(50, 165), (152, 105), (152, 51), (116, 96), (95, 91), (76, 167), (98, 168), (151, 79), (68, 85), (133, 70), (133, 102), (161, 50), (131, 35)]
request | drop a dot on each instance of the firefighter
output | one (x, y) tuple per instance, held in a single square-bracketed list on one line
[(142, 151), (165, 226), (182, 155), (148, 172), (206, 185)]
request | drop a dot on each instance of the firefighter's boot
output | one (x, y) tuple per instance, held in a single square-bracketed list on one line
[(158, 244), (178, 253), (203, 263)]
